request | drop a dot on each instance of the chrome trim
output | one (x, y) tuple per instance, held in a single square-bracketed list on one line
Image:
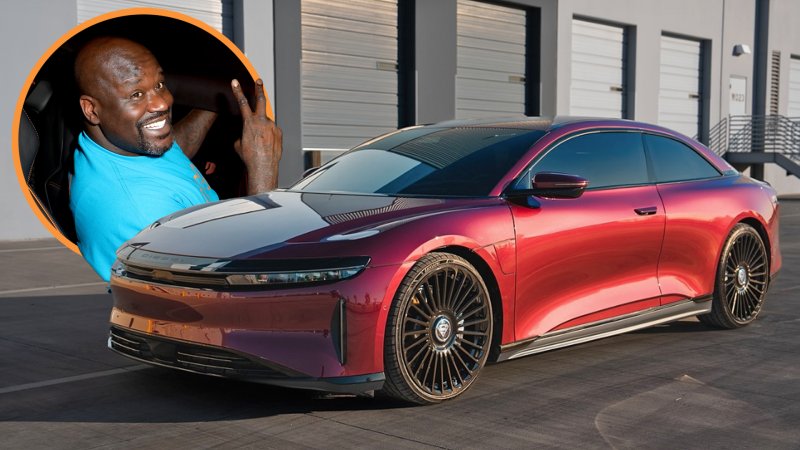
[(606, 328)]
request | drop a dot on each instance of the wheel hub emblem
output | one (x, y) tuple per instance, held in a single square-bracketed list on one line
[(442, 329), (741, 276)]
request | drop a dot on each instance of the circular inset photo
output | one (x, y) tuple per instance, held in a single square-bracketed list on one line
[(132, 82)]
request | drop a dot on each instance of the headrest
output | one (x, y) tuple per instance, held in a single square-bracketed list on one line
[(39, 96)]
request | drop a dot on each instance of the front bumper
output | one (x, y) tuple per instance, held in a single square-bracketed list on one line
[(214, 361), (327, 337)]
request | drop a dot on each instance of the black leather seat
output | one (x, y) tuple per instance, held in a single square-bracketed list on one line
[(45, 147)]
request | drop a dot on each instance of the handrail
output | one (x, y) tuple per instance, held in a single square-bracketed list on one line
[(770, 134)]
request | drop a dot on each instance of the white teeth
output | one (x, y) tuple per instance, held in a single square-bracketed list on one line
[(156, 125)]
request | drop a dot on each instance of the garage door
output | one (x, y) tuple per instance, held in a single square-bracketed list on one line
[(217, 13), (680, 95), (794, 88), (490, 78), (598, 67), (349, 73)]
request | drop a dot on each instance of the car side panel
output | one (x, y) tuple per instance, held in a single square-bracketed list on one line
[(581, 256), (700, 214)]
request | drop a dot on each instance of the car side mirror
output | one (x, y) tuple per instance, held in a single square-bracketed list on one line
[(559, 185), (553, 185)]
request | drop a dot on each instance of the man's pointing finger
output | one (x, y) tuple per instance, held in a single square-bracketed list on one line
[(244, 105)]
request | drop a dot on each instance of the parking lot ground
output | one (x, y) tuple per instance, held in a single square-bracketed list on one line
[(681, 385)]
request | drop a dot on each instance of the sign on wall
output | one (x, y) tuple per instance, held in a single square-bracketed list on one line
[(737, 102)]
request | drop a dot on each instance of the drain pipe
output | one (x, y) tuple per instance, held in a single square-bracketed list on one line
[(760, 58)]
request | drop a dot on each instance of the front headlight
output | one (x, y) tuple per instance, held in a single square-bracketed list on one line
[(281, 279), (201, 272)]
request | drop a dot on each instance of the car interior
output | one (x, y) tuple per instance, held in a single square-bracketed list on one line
[(198, 68)]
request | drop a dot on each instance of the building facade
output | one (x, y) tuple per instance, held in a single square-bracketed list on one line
[(341, 71)]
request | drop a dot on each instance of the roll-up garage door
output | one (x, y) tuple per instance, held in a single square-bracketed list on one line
[(680, 96), (598, 68), (217, 13), (490, 78), (349, 72), (794, 88)]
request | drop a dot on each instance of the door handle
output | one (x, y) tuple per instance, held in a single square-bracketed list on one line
[(646, 211)]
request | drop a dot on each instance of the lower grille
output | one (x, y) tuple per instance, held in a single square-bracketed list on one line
[(188, 356)]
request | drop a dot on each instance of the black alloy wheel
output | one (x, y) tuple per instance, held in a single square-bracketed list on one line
[(742, 280), (439, 331)]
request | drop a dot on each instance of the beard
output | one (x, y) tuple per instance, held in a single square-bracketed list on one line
[(147, 146)]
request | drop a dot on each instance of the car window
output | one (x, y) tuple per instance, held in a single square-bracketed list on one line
[(675, 161), (425, 162), (606, 159)]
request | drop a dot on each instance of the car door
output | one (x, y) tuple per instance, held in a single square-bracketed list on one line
[(698, 206), (594, 257)]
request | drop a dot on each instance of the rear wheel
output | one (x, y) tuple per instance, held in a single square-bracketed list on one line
[(742, 280), (439, 330)]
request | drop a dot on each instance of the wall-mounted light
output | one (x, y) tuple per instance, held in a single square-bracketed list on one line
[(741, 49)]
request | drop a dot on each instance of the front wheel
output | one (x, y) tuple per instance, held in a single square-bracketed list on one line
[(439, 330), (742, 280)]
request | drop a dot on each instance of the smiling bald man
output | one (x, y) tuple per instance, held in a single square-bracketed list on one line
[(132, 166)]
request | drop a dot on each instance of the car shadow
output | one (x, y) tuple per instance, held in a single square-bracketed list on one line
[(156, 395), (55, 367)]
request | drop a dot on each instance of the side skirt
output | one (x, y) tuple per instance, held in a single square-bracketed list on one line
[(606, 328)]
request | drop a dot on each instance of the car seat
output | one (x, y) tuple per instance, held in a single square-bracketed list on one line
[(45, 152)]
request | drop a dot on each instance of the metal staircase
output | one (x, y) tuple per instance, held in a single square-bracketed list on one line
[(746, 140)]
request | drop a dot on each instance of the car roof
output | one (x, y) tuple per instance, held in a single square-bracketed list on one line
[(538, 123)]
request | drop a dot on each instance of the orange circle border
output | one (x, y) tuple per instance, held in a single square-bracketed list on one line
[(69, 35)]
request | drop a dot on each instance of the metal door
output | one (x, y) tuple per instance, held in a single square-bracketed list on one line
[(349, 73), (597, 85), (680, 89), (490, 78), (217, 13)]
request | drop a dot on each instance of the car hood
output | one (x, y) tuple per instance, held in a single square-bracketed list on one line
[(251, 226)]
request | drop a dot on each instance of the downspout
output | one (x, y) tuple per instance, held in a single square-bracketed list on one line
[(760, 57)]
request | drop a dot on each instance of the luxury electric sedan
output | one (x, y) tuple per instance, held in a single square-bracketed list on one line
[(410, 261)]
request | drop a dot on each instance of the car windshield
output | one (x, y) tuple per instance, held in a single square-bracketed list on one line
[(435, 162)]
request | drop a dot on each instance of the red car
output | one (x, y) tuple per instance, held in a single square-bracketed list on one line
[(410, 261)]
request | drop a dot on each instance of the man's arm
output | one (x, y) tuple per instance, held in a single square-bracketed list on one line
[(192, 129), (261, 144)]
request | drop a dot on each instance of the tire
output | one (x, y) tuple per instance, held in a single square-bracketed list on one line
[(742, 280), (439, 331)]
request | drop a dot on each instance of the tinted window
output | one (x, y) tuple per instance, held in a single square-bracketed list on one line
[(605, 159), (425, 162), (674, 161)]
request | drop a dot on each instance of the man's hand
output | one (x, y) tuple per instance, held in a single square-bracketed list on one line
[(261, 144)]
